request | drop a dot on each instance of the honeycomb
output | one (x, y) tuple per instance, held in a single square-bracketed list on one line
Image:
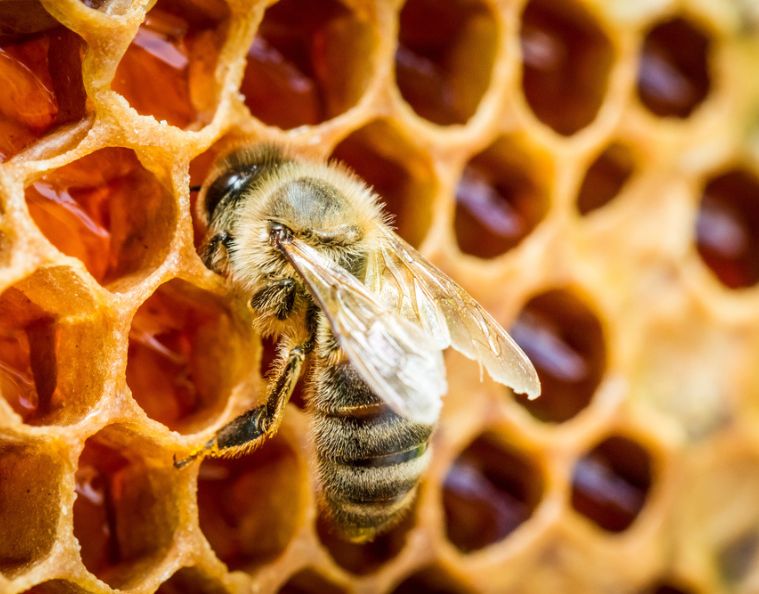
[(587, 169)]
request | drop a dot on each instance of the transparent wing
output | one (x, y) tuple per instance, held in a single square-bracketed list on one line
[(405, 282), (402, 365)]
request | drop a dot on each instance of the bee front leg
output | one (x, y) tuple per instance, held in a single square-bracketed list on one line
[(253, 427)]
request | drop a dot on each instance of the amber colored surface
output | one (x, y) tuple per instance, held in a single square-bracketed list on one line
[(444, 57), (673, 77), (231, 494), (727, 228), (605, 178), (490, 490), (403, 185), (566, 63), (309, 582), (498, 202), (307, 64), (43, 87), (190, 581), (431, 580), (611, 482), (87, 210), (177, 367), (168, 70)]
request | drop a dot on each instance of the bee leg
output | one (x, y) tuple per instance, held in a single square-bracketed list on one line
[(213, 257), (251, 428)]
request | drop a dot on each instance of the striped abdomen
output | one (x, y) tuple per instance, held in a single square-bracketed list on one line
[(370, 459)]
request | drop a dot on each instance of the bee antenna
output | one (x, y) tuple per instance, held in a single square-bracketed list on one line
[(195, 188)]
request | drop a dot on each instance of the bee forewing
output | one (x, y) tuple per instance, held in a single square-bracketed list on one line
[(407, 283), (401, 363)]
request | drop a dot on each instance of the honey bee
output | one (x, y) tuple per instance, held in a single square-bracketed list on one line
[(309, 246)]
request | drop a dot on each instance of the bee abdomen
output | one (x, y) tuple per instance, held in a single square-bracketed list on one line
[(370, 462)]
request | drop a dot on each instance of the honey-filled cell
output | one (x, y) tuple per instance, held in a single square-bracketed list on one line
[(186, 353), (29, 505), (605, 178), (431, 580), (250, 507), (40, 66), (727, 228), (309, 581), (309, 62), (673, 74), (108, 211), (56, 587), (445, 56), (402, 178), (565, 341), (566, 60), (190, 580), (168, 71), (45, 349), (610, 484), (125, 512), (500, 199), (490, 490)]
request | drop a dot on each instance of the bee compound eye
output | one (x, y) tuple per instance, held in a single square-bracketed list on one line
[(229, 182)]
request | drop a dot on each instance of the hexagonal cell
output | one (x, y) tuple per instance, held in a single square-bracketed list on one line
[(29, 505), (605, 178), (727, 228), (673, 76), (56, 587), (445, 57), (397, 172), (668, 587), (564, 339), (190, 580), (566, 60), (176, 48), (185, 355), (249, 508), (490, 490), (308, 63), (431, 580), (610, 483), (500, 199), (41, 65), (46, 353), (126, 508), (365, 558), (308, 581), (87, 210)]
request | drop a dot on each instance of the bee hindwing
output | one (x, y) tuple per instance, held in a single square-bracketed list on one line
[(401, 363), (407, 283)]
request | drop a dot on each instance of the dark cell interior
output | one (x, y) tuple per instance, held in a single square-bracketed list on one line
[(308, 62), (667, 588), (87, 210), (40, 65), (611, 482), (29, 485), (176, 48), (368, 557), (56, 587), (124, 514), (189, 580), (566, 59), (736, 560), (184, 357), (309, 581), (673, 77), (444, 57), (398, 173), (490, 490), (564, 340), (727, 228), (605, 178), (431, 580), (499, 201), (249, 507)]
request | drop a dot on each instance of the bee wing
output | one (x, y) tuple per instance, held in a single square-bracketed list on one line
[(400, 363), (406, 282)]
